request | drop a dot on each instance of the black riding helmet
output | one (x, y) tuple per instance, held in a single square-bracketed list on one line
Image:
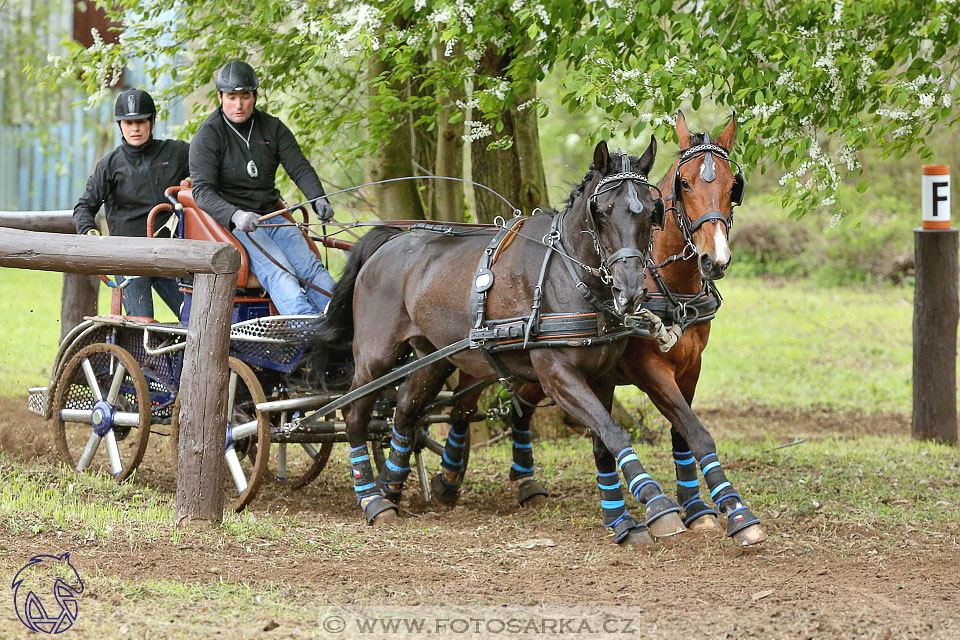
[(134, 104), (237, 75)]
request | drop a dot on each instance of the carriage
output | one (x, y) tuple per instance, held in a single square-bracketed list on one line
[(115, 381)]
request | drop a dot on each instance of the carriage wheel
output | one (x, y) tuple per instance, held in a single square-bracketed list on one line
[(101, 411), (299, 463), (248, 449)]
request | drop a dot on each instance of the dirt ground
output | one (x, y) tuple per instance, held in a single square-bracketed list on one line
[(810, 580)]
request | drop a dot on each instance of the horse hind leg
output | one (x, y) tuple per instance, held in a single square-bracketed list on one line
[(627, 531), (529, 492), (423, 385), (445, 486)]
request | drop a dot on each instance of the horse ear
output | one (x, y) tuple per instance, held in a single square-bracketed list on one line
[(646, 160), (683, 132), (729, 133), (601, 157)]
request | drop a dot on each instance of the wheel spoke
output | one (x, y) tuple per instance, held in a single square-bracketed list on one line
[(91, 378), (233, 463), (114, 453), (231, 395), (118, 377), (88, 452), (310, 449)]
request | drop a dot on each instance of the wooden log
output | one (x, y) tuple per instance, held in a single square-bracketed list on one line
[(203, 400), (49, 221), (78, 299), (115, 254), (79, 293), (936, 311)]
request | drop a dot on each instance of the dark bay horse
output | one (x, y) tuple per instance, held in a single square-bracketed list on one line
[(692, 250), (412, 289)]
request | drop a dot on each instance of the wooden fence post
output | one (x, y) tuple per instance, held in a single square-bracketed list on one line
[(203, 399), (936, 310)]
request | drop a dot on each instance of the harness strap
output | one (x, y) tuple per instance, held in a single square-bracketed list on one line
[(483, 278)]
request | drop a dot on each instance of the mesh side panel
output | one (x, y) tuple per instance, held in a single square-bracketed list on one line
[(37, 399), (293, 331), (161, 371)]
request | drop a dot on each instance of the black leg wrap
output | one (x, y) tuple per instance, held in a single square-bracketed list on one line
[(694, 508), (739, 519), (443, 492), (660, 506), (528, 489), (522, 454), (397, 468), (625, 526), (376, 506), (452, 459)]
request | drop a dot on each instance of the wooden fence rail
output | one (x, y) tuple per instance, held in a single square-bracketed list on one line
[(79, 296), (203, 382)]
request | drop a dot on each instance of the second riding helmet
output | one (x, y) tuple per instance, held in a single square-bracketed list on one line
[(134, 104), (237, 75)]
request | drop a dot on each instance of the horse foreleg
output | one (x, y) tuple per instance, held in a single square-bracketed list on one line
[(565, 384), (660, 384), (422, 387), (626, 529), (529, 492)]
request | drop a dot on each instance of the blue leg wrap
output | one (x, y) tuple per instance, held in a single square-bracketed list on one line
[(522, 454)]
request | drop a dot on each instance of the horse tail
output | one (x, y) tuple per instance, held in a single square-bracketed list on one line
[(338, 325)]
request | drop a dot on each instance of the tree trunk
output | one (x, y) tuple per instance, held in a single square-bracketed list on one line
[(516, 172), (394, 159), (78, 299), (447, 201), (533, 181), (423, 138)]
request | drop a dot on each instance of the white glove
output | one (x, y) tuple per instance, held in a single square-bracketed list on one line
[(245, 220)]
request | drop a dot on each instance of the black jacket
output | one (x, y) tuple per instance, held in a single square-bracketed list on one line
[(130, 181), (219, 159)]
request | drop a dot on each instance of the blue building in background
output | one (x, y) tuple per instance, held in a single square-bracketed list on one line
[(44, 166)]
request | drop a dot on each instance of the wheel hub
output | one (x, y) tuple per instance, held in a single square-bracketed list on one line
[(102, 417)]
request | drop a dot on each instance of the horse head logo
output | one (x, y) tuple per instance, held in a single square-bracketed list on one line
[(37, 576)]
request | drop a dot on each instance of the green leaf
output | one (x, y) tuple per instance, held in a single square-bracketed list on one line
[(862, 185)]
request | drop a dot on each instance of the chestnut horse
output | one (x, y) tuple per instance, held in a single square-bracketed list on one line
[(689, 253), (410, 290)]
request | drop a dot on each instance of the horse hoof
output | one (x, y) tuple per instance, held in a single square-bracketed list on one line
[(442, 493), (638, 539), (667, 525), (385, 518), (531, 494), (706, 524), (750, 536)]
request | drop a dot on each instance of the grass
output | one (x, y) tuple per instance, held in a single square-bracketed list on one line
[(813, 496), (777, 343)]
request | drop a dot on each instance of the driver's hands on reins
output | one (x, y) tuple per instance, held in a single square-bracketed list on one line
[(323, 209), (245, 220)]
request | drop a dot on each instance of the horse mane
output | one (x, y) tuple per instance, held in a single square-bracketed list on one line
[(577, 190)]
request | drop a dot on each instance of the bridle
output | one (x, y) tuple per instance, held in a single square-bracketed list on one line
[(635, 207), (706, 150)]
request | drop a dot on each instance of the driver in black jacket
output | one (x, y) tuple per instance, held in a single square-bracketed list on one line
[(234, 158), (129, 181)]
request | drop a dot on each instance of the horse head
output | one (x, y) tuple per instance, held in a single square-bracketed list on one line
[(704, 191), (620, 212)]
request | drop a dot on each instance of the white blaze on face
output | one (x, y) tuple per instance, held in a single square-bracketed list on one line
[(720, 245)]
